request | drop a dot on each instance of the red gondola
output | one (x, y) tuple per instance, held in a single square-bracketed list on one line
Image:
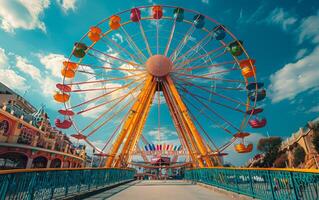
[(65, 124), (63, 88), (78, 136), (66, 112), (254, 111), (256, 123)]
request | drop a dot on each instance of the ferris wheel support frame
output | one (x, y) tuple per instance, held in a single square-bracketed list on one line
[(126, 142)]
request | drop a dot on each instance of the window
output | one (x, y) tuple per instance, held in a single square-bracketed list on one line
[(25, 136), (4, 127)]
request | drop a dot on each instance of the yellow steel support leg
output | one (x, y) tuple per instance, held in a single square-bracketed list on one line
[(198, 139), (137, 127), (179, 125), (128, 123)]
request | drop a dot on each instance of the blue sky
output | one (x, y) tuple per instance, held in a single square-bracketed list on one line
[(283, 37)]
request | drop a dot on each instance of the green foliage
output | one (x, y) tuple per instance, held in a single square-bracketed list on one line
[(299, 156), (281, 161), (270, 146)]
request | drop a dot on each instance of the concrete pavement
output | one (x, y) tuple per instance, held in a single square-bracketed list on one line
[(161, 190)]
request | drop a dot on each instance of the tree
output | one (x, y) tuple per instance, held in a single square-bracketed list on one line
[(299, 156), (281, 161), (270, 147)]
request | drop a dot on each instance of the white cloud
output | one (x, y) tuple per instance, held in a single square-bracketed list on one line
[(48, 87), (309, 29), (25, 67), (67, 5), (8, 76), (24, 14), (314, 109), (166, 135), (117, 38), (295, 78), (53, 62), (301, 53), (281, 17)]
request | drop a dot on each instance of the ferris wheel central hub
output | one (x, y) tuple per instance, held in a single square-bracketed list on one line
[(159, 65)]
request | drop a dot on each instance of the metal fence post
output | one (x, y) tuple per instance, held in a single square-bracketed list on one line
[(271, 185), (251, 183), (294, 185), (4, 187)]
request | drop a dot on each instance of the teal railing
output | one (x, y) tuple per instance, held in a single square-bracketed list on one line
[(276, 184), (58, 183)]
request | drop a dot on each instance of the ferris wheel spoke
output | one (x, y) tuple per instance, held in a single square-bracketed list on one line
[(190, 77), (201, 127), (116, 58), (219, 87), (210, 74), (104, 103), (120, 48), (203, 67), (133, 45), (198, 44), (108, 80), (145, 38), (115, 131), (211, 101), (109, 119), (189, 61), (214, 93), (174, 53), (112, 68), (201, 111), (214, 112), (103, 95), (109, 110), (170, 38)]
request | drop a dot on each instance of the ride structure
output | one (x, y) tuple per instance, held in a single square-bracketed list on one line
[(124, 67)]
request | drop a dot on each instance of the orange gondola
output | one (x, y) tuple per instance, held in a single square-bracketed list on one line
[(115, 22), (61, 97), (95, 34), (242, 148), (68, 73), (157, 12), (70, 65), (248, 71)]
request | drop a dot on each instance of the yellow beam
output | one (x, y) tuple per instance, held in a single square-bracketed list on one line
[(128, 123), (198, 139)]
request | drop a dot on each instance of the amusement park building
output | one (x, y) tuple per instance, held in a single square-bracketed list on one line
[(303, 138), (27, 139)]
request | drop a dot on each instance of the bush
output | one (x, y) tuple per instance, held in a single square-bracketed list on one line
[(281, 161), (270, 147), (299, 156)]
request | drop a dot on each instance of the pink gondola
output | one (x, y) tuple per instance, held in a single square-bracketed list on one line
[(63, 88), (78, 136), (256, 123), (65, 124), (255, 111), (66, 112)]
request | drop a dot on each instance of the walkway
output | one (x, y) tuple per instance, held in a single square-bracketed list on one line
[(159, 190)]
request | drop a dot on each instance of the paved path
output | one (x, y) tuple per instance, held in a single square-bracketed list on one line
[(160, 190)]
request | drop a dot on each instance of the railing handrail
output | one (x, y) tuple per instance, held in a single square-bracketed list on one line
[(265, 169), (13, 171)]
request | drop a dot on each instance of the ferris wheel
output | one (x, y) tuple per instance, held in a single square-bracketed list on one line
[(149, 55)]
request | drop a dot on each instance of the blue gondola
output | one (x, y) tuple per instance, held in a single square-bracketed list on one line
[(199, 21), (219, 33)]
